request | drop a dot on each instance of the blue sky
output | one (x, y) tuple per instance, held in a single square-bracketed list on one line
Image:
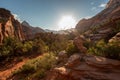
[(47, 13)]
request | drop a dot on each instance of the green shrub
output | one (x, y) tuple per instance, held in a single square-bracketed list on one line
[(37, 67), (5, 51), (28, 68), (71, 49), (113, 50), (39, 46), (109, 50), (88, 44), (27, 47)]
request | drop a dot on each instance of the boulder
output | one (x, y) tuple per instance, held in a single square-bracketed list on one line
[(62, 57), (116, 38), (79, 43), (92, 68)]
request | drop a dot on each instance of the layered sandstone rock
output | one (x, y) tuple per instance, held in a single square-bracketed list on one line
[(79, 43), (112, 11), (116, 38), (112, 2), (9, 27), (90, 68)]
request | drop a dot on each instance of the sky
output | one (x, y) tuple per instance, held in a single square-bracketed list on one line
[(47, 13)]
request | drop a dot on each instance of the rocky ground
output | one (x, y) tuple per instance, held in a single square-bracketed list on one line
[(86, 68)]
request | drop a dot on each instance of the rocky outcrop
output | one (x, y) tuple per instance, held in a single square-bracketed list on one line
[(9, 27), (106, 31), (79, 43), (112, 11), (116, 38), (30, 31), (87, 68), (62, 58), (112, 2)]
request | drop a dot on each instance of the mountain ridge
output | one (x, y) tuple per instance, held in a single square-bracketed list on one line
[(111, 11), (30, 31)]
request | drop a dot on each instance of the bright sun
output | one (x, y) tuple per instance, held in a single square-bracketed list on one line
[(67, 22)]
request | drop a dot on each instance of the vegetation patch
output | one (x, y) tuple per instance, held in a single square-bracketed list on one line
[(109, 50), (37, 67)]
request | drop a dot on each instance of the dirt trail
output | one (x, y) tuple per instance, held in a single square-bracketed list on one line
[(6, 73)]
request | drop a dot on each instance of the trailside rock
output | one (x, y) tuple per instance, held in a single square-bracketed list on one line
[(78, 42), (62, 57), (91, 68)]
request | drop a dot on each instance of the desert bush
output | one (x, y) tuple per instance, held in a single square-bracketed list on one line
[(87, 44), (38, 66), (7, 48), (54, 42), (71, 49), (39, 46), (27, 47), (109, 50), (113, 50)]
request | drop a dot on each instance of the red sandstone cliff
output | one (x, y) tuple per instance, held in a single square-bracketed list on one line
[(111, 11), (9, 27)]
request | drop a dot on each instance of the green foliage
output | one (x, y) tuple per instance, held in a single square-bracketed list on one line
[(27, 68), (13, 47), (7, 48), (54, 42), (27, 47), (39, 46), (38, 66), (71, 49), (88, 44), (110, 50), (113, 50)]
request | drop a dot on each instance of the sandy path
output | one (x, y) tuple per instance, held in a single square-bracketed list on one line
[(6, 73)]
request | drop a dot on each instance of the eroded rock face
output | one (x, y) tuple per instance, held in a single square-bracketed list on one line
[(112, 11), (62, 57), (113, 2), (116, 38), (91, 68), (78, 42), (9, 27)]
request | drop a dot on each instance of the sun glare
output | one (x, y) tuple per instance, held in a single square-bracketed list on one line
[(66, 22)]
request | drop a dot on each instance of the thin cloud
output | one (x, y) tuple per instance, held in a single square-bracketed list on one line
[(103, 5), (92, 3), (94, 8), (17, 17)]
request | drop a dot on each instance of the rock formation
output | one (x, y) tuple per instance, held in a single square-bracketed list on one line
[(91, 68), (116, 38), (79, 43), (111, 11), (9, 27), (113, 2), (106, 31)]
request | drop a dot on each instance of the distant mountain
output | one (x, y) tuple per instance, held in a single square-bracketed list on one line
[(111, 11), (29, 30), (25, 23), (9, 26), (67, 31)]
